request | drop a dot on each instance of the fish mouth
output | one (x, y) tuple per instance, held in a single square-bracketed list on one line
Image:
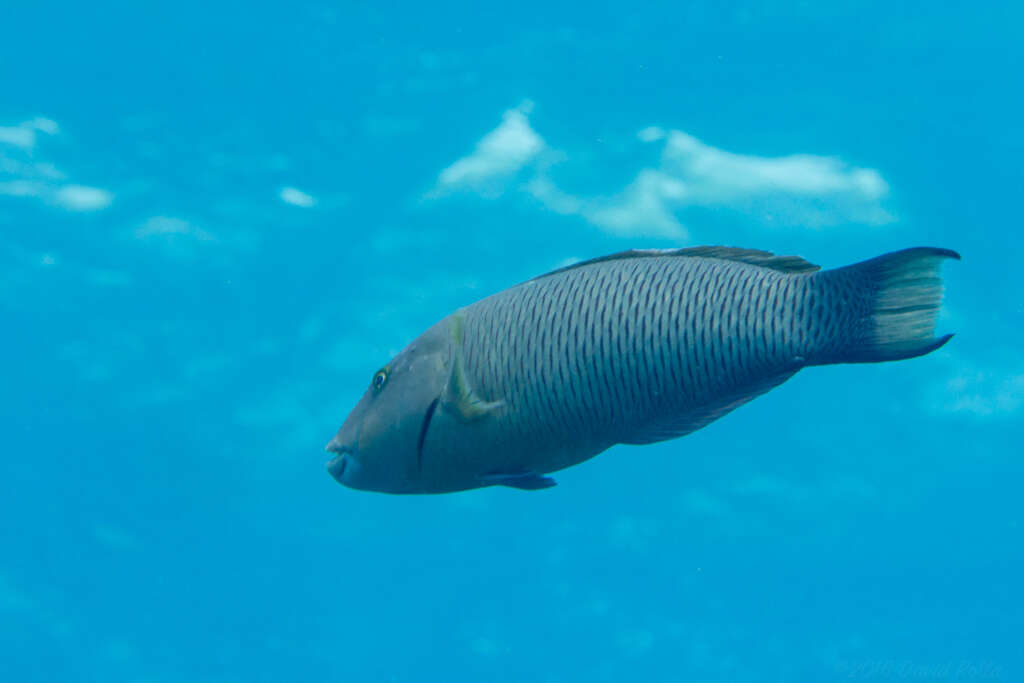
[(336, 465)]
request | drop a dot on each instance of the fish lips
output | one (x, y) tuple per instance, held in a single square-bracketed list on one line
[(337, 465)]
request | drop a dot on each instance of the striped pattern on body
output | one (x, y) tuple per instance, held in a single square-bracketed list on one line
[(636, 350)]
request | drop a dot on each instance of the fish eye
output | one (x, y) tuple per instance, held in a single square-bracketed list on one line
[(379, 379)]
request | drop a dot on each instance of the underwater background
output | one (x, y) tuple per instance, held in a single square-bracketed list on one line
[(219, 218)]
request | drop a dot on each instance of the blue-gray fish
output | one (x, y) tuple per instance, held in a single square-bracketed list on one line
[(632, 348)]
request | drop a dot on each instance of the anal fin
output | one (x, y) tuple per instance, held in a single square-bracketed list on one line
[(527, 481)]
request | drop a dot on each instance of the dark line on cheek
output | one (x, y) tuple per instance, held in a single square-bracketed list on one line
[(423, 434)]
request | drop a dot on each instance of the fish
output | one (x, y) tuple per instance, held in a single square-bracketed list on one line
[(636, 347)]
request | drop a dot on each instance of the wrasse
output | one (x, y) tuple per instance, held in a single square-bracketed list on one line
[(632, 348)]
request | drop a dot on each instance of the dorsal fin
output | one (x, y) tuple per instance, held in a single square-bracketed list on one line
[(755, 257)]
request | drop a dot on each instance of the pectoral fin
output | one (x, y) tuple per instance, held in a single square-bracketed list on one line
[(527, 481), (458, 396)]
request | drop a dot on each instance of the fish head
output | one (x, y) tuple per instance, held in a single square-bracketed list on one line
[(379, 445)]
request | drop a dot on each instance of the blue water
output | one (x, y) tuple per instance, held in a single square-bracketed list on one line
[(219, 218)]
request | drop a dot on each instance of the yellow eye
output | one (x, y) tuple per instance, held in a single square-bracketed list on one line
[(379, 379)]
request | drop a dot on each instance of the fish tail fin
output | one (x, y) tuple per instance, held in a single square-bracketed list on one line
[(888, 307)]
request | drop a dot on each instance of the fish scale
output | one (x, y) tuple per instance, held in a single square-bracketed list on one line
[(624, 386)]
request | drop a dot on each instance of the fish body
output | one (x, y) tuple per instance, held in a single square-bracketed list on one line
[(632, 348)]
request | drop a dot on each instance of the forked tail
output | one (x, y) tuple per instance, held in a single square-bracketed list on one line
[(886, 307)]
